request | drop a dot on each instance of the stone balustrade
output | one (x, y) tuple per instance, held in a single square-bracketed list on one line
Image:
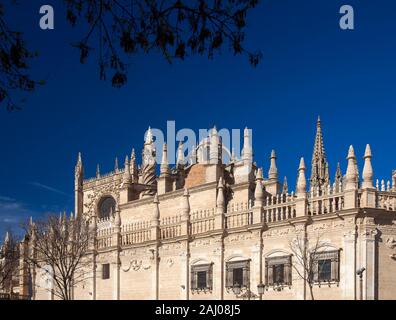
[(239, 214)]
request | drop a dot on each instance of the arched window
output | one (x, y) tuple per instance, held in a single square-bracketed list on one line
[(106, 207)]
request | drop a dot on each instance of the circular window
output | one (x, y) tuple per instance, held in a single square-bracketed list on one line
[(106, 207)]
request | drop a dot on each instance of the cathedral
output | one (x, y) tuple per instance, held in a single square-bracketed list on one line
[(213, 229)]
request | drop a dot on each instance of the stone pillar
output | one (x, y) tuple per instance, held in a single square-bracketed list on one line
[(368, 255), (300, 287), (220, 206), (185, 272), (155, 236), (117, 247), (348, 268)]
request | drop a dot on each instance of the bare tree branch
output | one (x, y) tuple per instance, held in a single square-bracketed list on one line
[(59, 246)]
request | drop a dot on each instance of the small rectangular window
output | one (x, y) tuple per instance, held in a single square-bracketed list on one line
[(201, 277), (105, 271), (237, 272), (324, 270), (278, 271), (237, 276), (326, 266)]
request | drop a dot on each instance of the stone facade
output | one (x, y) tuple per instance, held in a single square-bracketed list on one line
[(202, 230)]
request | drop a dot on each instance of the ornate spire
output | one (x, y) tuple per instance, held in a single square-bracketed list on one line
[(148, 165), (285, 188), (367, 169), (116, 164), (301, 180), (351, 174), (7, 238), (97, 171), (247, 151), (180, 155), (320, 167), (133, 166), (126, 178), (149, 136), (79, 172), (164, 169), (259, 175), (338, 178), (214, 147), (273, 171)]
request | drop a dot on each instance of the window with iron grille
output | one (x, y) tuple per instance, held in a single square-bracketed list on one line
[(326, 266), (201, 277), (278, 271), (238, 272), (105, 271)]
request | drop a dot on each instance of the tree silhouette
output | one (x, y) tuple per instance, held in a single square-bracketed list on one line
[(13, 63), (119, 29)]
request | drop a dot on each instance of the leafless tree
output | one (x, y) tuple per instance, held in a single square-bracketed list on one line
[(116, 30), (305, 255), (9, 262), (59, 246)]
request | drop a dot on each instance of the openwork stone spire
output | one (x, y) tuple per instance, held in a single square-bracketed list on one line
[(320, 167), (148, 164)]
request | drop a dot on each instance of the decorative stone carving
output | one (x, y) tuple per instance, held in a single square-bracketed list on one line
[(112, 188), (390, 242), (170, 262)]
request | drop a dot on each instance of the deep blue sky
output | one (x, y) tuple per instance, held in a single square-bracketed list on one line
[(309, 67)]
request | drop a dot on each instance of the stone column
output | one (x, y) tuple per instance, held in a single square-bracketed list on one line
[(368, 261), (184, 271), (117, 246), (348, 268), (116, 276)]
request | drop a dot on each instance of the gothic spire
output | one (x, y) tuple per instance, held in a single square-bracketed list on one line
[(273, 170), (320, 167), (351, 174), (247, 151), (127, 178), (116, 164), (79, 171), (180, 155), (164, 169), (133, 166), (338, 178), (285, 188), (367, 169), (301, 181), (149, 136)]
